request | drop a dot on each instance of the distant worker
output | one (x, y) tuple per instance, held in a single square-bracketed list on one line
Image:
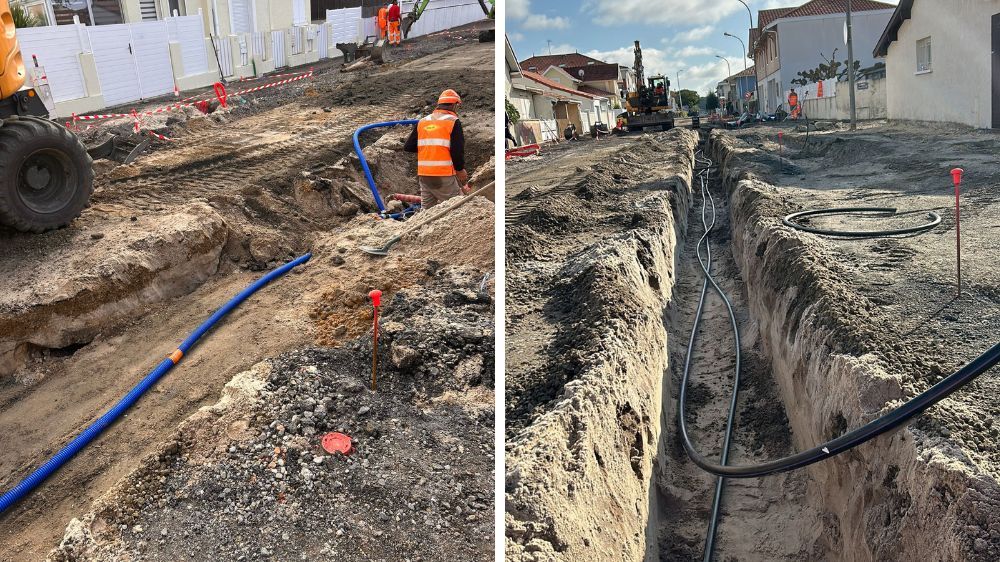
[(440, 146), (507, 134), (393, 17), (383, 14), (793, 104), (659, 90)]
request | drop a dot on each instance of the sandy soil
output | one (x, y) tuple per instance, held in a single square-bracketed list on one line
[(279, 179)]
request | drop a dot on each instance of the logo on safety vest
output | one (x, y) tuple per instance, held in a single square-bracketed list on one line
[(430, 127)]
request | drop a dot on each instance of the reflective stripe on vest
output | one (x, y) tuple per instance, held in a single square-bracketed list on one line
[(434, 144)]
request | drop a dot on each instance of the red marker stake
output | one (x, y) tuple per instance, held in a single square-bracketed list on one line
[(376, 296), (956, 177)]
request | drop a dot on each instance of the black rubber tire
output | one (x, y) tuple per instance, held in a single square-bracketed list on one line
[(24, 143)]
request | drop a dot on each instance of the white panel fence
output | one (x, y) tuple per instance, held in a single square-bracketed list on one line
[(133, 61)]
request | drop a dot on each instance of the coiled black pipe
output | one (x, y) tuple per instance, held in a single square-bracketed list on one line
[(934, 219)]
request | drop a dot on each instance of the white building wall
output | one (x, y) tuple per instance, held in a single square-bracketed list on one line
[(958, 87), (804, 42)]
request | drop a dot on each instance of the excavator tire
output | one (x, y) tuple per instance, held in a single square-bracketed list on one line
[(46, 175)]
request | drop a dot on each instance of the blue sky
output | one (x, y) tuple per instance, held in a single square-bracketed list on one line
[(675, 34)]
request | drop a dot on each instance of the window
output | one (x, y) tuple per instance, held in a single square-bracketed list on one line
[(924, 55), (90, 12), (147, 8)]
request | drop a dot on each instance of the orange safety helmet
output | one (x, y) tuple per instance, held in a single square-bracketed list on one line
[(449, 96)]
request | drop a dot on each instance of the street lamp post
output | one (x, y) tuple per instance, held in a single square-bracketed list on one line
[(680, 100), (729, 75), (756, 78), (746, 55)]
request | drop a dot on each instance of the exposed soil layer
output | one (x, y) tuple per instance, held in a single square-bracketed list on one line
[(416, 486), (590, 252), (855, 327), (171, 237)]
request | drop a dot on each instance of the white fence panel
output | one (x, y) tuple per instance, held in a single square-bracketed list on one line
[(189, 31), (278, 46), (116, 68), (323, 40), (58, 50), (152, 55), (298, 40), (445, 14), (368, 27), (344, 25), (225, 53), (243, 42), (260, 46)]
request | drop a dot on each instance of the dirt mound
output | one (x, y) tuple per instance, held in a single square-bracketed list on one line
[(255, 456), (586, 282)]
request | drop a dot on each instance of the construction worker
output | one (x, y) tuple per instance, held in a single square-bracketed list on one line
[(793, 104), (383, 13), (393, 17), (440, 146)]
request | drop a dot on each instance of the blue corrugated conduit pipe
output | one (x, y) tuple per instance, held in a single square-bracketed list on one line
[(33, 480), (368, 172)]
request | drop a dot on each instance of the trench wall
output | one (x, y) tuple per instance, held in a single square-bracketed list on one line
[(578, 479), (907, 495)]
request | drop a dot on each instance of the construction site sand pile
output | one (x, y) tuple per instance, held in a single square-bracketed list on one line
[(246, 478)]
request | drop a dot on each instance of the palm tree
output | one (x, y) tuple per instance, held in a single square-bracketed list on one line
[(23, 17)]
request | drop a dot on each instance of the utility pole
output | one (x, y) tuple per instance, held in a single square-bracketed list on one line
[(755, 80), (850, 68)]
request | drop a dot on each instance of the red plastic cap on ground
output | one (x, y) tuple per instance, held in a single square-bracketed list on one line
[(335, 442), (956, 175), (376, 296)]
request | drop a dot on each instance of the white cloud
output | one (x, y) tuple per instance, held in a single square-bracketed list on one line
[(689, 51), (517, 9), (542, 21), (694, 34), (670, 12), (560, 49), (654, 61), (515, 36)]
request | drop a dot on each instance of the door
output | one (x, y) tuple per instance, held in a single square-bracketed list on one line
[(152, 56), (996, 71), (299, 16), (115, 63)]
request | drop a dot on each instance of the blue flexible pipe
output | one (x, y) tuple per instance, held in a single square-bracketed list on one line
[(33, 480), (364, 163)]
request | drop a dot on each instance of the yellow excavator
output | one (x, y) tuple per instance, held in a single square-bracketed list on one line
[(46, 174), (650, 105)]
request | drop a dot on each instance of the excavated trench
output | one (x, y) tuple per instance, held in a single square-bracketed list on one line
[(596, 467), (87, 310)]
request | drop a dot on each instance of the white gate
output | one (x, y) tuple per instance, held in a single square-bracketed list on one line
[(189, 31), (259, 46), (344, 25), (323, 40), (278, 46), (58, 50), (225, 53), (116, 68), (152, 57)]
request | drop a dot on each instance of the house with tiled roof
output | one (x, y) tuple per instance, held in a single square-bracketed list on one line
[(546, 105), (787, 41), (736, 87), (943, 62), (609, 78)]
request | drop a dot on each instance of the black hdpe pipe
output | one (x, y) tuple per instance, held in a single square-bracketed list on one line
[(791, 220), (34, 479), (867, 432), (706, 267)]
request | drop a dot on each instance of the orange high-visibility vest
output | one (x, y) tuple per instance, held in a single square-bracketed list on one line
[(382, 17), (434, 144)]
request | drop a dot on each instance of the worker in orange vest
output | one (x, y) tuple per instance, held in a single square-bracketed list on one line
[(393, 17), (793, 104), (439, 143), (383, 21)]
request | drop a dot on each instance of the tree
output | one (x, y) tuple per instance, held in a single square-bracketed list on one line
[(23, 17), (690, 98), (711, 101), (512, 111), (830, 68)]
